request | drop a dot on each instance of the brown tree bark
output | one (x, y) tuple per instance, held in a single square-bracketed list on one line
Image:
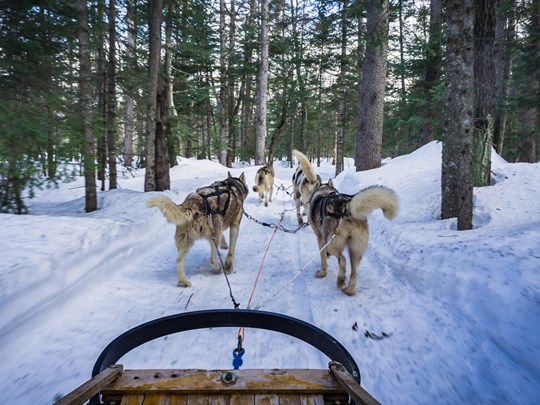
[(85, 97), (370, 127), (456, 180), (111, 97), (154, 15)]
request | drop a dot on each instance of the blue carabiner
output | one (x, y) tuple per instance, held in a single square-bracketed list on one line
[(237, 358)]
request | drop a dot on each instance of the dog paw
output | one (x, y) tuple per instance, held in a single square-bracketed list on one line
[(266, 204), (349, 291), (184, 283), (228, 268), (320, 274), (341, 283)]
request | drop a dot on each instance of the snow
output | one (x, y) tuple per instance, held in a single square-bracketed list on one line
[(461, 308)]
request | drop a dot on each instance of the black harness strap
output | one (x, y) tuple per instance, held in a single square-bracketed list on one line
[(217, 193)]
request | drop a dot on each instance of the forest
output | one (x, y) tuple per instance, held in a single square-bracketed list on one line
[(91, 84)]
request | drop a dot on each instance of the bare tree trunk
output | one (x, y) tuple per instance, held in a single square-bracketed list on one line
[(263, 86), (128, 100), (246, 121), (484, 82), (433, 72), (155, 11), (342, 91), (231, 150), (504, 39), (111, 97), (85, 96), (170, 113), (222, 153), (370, 128), (102, 99), (529, 135), (457, 178)]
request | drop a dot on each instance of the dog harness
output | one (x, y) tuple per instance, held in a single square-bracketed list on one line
[(217, 190), (332, 205)]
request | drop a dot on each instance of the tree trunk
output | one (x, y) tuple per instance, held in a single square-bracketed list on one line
[(128, 100), (85, 96), (342, 90), (263, 86), (433, 72), (222, 153), (484, 82), (529, 135), (170, 114), (369, 134), (231, 150), (154, 15), (111, 97), (456, 180), (102, 99)]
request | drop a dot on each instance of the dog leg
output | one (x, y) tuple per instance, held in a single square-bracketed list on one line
[(342, 271), (214, 260), (223, 244), (271, 191), (324, 261), (183, 244), (355, 262), (233, 237)]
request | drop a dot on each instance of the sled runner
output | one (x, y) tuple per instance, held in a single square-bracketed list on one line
[(111, 384)]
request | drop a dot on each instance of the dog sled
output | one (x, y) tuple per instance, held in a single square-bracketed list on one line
[(111, 384)]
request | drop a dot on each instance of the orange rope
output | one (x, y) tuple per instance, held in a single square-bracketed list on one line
[(241, 330)]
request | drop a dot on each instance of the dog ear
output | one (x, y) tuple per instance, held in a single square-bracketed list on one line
[(243, 178), (229, 175), (330, 183)]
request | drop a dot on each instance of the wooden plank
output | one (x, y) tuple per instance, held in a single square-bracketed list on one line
[(156, 399), (349, 384), (90, 388), (132, 400), (289, 399), (263, 381), (266, 399), (198, 400), (312, 399), (179, 399), (218, 399), (248, 399)]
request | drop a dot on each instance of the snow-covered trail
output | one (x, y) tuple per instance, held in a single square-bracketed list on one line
[(115, 271)]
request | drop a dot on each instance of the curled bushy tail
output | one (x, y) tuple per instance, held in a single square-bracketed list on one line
[(307, 167), (371, 198), (175, 214)]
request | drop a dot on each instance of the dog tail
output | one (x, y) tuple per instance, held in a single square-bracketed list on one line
[(307, 167), (175, 214), (371, 198)]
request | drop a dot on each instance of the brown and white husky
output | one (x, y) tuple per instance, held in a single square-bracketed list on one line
[(341, 220), (206, 213)]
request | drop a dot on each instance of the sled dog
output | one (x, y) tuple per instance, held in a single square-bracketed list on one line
[(305, 182), (343, 217), (206, 213), (264, 183)]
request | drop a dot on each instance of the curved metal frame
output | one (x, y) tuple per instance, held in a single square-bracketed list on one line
[(226, 318)]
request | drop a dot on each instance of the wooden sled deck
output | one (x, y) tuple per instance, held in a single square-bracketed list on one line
[(111, 384)]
